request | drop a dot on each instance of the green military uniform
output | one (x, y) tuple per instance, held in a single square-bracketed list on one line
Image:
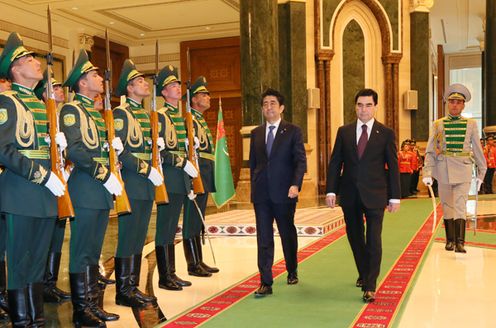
[(51, 293), (87, 149), (452, 150), (173, 130), (24, 152), (206, 159), (132, 125)]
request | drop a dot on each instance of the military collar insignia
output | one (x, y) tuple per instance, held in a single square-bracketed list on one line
[(22, 89)]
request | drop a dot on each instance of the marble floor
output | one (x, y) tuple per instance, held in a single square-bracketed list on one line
[(452, 290)]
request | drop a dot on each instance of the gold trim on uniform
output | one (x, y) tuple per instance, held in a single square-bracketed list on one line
[(69, 119), (170, 133), (143, 167), (39, 176), (4, 116), (118, 124), (101, 172)]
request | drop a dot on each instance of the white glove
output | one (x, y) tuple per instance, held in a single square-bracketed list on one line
[(427, 181), (190, 169), (113, 185), (197, 142), (117, 145), (479, 184), (191, 195), (160, 144), (55, 185), (61, 141), (155, 177)]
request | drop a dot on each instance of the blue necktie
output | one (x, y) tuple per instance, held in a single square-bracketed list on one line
[(270, 138)]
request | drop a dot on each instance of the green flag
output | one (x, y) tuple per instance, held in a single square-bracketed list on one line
[(223, 176)]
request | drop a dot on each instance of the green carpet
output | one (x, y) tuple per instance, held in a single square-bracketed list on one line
[(326, 295)]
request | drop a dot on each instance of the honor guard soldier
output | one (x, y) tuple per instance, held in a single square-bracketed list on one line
[(27, 180), (178, 172), (51, 293), (193, 224), (92, 186), (4, 306), (452, 150), (132, 126)]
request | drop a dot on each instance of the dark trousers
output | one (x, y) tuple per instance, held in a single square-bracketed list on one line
[(405, 181), (133, 228), (167, 219), (283, 213), (58, 236), (3, 236), (192, 222), (488, 181), (87, 234), (414, 181), (366, 247), (28, 241)]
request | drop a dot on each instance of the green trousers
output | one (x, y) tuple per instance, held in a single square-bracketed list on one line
[(167, 219), (3, 236), (28, 241), (58, 236), (87, 234), (133, 228), (192, 222)]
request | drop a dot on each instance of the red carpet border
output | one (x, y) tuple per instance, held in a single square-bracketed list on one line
[(393, 288), (214, 306)]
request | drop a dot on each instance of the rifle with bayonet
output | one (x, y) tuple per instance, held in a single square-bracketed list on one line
[(188, 119), (122, 205), (161, 196), (64, 203)]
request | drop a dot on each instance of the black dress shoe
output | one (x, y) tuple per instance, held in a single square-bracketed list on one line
[(263, 290), (369, 296), (359, 282), (292, 278)]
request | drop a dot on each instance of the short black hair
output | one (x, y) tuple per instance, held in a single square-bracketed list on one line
[(272, 92), (367, 93)]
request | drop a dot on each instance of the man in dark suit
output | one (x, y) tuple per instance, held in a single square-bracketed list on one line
[(277, 166), (364, 171)]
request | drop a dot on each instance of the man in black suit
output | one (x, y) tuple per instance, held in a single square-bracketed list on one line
[(364, 171), (277, 166)]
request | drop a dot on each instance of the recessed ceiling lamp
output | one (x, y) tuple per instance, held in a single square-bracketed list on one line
[(111, 23), (75, 8), (142, 34), (208, 28)]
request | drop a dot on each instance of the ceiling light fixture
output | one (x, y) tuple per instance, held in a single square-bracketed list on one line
[(75, 8), (207, 28), (142, 34), (111, 23)]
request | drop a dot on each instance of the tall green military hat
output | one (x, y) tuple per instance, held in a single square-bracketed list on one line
[(41, 86), (14, 49), (128, 73), (82, 66), (200, 86), (167, 75)]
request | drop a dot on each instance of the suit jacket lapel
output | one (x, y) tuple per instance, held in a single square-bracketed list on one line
[(354, 140), (374, 133), (277, 138), (261, 140)]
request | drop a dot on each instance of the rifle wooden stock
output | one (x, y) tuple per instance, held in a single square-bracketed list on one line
[(64, 203), (122, 205), (161, 196), (197, 182)]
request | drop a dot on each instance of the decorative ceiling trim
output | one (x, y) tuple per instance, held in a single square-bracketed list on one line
[(27, 32), (148, 59)]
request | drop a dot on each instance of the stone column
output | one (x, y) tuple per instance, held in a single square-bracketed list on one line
[(292, 58), (489, 65), (259, 46), (259, 55), (419, 68)]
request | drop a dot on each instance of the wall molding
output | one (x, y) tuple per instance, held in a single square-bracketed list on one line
[(27, 32)]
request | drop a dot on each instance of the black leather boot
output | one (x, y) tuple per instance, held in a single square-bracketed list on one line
[(4, 303), (165, 280), (82, 316), (35, 304), (19, 308), (460, 236), (171, 255), (135, 271), (200, 253), (449, 227), (94, 295), (51, 293), (124, 278), (193, 259)]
